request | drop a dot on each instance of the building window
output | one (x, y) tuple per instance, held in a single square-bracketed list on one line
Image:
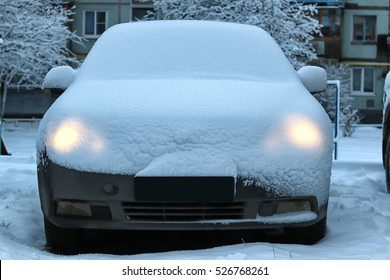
[(330, 19), (95, 23), (364, 28), (363, 80)]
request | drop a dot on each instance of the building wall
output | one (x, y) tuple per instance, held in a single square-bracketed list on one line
[(27, 103), (352, 49), (369, 2), (371, 56), (367, 54), (117, 11)]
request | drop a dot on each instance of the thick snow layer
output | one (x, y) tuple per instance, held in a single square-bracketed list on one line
[(59, 77), (358, 218), (195, 163), (186, 49), (314, 78), (296, 217), (252, 131), (190, 99)]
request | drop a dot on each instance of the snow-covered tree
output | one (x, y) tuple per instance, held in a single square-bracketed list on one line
[(349, 117), (290, 23), (34, 37)]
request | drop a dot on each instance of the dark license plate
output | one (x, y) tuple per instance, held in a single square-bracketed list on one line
[(195, 189)]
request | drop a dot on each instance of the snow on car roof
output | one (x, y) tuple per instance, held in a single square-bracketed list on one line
[(186, 49)]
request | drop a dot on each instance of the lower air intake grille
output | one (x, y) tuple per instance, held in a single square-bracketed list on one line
[(183, 211)]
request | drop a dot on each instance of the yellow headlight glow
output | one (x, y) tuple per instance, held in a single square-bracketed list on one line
[(303, 132), (67, 136), (71, 134)]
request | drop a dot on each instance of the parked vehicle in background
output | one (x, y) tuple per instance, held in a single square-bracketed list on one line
[(185, 125), (386, 131)]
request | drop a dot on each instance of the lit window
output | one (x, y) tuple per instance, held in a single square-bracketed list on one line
[(364, 28), (95, 23), (363, 80)]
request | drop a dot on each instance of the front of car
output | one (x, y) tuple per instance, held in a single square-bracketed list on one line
[(196, 126)]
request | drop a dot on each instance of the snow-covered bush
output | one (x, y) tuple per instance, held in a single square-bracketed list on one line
[(349, 117), (290, 23)]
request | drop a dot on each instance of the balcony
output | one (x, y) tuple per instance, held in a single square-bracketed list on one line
[(328, 47)]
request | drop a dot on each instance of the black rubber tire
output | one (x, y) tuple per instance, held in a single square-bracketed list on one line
[(63, 240), (387, 165), (307, 235)]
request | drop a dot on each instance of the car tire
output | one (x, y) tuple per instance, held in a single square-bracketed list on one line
[(387, 165), (63, 240), (307, 235)]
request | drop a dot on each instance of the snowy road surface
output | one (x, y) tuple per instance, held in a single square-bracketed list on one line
[(358, 219)]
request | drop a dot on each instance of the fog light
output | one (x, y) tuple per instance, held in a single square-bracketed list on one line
[(292, 206), (267, 208), (110, 188), (74, 208)]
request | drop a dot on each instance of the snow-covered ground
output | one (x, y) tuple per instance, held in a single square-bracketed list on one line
[(358, 219)]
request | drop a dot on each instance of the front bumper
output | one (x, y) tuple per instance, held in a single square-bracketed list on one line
[(107, 201)]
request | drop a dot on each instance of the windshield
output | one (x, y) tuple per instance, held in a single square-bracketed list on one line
[(186, 50)]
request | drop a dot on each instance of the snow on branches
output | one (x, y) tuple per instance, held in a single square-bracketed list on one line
[(34, 37), (290, 23)]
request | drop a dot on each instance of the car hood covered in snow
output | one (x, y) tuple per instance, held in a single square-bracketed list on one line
[(243, 129), (248, 117)]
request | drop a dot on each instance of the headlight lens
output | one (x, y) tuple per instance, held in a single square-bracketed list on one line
[(294, 130), (66, 137), (303, 132), (71, 134)]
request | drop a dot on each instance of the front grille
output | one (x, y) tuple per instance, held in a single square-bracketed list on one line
[(183, 211)]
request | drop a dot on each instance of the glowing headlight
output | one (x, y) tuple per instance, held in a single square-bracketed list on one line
[(71, 134), (303, 132)]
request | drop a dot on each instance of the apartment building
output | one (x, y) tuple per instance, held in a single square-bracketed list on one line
[(356, 34), (365, 49), (93, 17)]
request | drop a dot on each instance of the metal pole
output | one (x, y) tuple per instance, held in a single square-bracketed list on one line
[(337, 116)]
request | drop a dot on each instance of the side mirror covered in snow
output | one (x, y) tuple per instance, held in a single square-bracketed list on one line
[(59, 77), (314, 78)]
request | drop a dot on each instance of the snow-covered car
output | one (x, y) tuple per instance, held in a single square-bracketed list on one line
[(185, 125), (386, 131)]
